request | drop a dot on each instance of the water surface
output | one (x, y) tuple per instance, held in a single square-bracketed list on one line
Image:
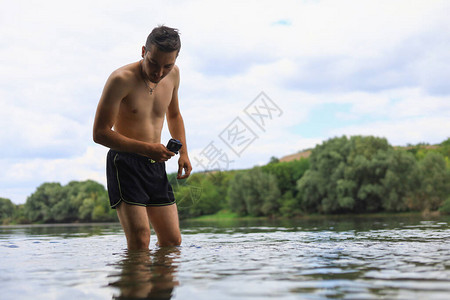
[(326, 258)]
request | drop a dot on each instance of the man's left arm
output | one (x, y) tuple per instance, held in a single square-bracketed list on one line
[(176, 128)]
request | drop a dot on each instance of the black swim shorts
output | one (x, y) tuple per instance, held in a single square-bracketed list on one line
[(137, 180)]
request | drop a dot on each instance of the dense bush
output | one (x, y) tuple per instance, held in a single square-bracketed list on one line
[(7, 211), (342, 175), (254, 193), (365, 174), (77, 201), (201, 194)]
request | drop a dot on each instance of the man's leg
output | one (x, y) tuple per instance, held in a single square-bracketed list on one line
[(164, 220), (135, 223)]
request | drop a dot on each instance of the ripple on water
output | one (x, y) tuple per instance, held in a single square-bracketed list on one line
[(328, 263), (389, 261)]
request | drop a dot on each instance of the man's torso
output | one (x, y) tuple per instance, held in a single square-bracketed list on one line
[(141, 113)]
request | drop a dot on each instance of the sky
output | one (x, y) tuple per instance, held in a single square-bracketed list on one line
[(259, 79)]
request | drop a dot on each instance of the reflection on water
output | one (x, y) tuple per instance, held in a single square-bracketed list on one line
[(61, 230), (349, 257), (146, 274)]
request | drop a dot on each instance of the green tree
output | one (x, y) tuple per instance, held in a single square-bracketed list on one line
[(187, 195), (274, 160), (445, 208), (435, 183), (365, 174), (444, 149), (236, 201), (7, 211), (208, 198), (38, 207), (254, 193), (95, 207), (76, 201), (318, 186), (89, 201), (287, 173), (289, 205), (20, 215), (401, 180), (202, 193), (345, 176)]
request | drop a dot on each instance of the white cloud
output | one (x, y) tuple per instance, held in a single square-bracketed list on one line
[(387, 61), (20, 177), (395, 104), (402, 132)]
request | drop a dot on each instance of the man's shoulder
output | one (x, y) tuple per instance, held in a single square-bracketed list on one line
[(175, 74), (126, 73)]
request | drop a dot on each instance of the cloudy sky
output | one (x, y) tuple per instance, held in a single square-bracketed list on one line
[(326, 69)]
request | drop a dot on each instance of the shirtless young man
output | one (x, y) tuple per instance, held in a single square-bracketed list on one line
[(129, 120)]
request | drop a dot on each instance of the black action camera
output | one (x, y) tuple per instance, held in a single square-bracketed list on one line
[(174, 145)]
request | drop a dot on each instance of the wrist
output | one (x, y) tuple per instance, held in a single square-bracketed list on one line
[(147, 149)]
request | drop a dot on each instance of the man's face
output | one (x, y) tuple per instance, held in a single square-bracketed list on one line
[(156, 63)]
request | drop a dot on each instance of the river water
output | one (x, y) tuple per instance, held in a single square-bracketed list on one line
[(323, 258)]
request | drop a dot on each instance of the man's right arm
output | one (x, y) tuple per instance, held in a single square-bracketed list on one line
[(117, 88)]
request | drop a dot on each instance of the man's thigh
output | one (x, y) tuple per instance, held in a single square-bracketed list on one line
[(164, 220), (134, 219)]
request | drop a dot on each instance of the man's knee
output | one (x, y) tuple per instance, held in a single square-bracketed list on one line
[(176, 241), (139, 239), (170, 241)]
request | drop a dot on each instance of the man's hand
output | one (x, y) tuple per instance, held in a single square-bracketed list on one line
[(184, 163), (159, 152)]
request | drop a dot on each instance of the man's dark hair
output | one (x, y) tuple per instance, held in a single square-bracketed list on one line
[(165, 38)]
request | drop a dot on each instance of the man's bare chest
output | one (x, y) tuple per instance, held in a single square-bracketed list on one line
[(140, 103)]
